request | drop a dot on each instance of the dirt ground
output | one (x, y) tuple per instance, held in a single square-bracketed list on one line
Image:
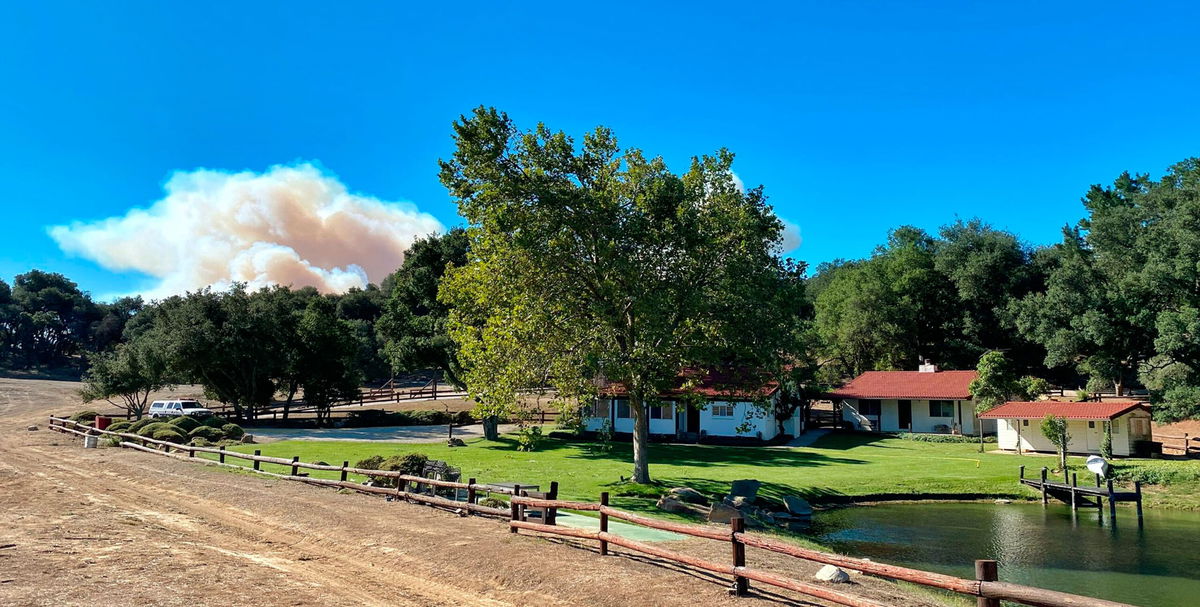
[(118, 527)]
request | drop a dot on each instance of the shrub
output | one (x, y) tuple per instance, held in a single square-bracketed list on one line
[(493, 502), (142, 423), (112, 441), (412, 464), (169, 434), (946, 438), (207, 433), (122, 426), (200, 441), (213, 421), (84, 416), (463, 418), (1157, 473), (232, 431), (371, 463), (529, 438), (185, 423), (149, 429)]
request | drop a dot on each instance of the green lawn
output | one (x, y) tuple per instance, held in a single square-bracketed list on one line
[(838, 468)]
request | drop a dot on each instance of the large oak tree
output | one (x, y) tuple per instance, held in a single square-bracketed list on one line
[(589, 262)]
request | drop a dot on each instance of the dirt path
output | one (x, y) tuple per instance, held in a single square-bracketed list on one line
[(112, 526)]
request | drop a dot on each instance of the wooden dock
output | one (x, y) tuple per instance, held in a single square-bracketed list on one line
[(1084, 496)]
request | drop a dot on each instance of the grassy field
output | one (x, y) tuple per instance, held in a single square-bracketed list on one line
[(839, 468)]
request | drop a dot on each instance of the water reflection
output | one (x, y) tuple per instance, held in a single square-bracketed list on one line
[(1051, 547)]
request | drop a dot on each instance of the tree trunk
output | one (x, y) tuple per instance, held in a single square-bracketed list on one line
[(287, 406), (491, 427), (641, 439)]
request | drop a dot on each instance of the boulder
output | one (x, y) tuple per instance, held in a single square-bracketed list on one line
[(455, 442), (32, 428), (722, 512), (797, 506), (246, 439), (739, 502), (832, 574), (746, 488), (670, 504), (687, 494)]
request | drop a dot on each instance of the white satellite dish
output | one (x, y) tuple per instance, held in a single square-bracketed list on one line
[(1096, 464)]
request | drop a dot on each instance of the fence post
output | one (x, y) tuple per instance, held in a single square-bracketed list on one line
[(1112, 503), (741, 585), (1186, 444), (986, 571), (603, 522), (1044, 500), (514, 512), (1022, 473), (1074, 499), (552, 513), (1137, 488), (470, 493), (191, 452), (221, 455), (295, 468), (257, 464), (345, 464)]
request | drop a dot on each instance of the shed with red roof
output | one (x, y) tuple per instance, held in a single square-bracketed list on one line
[(926, 400), (1019, 425)]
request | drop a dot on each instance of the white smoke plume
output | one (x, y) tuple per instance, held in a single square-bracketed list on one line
[(791, 236), (291, 225)]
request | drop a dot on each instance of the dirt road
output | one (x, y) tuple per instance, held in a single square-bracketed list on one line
[(116, 527)]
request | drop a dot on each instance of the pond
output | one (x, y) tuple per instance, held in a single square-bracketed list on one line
[(1157, 565)]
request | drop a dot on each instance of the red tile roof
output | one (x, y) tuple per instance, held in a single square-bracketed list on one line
[(1039, 409), (711, 385), (949, 385)]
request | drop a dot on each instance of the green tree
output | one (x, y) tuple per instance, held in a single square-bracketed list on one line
[(998, 383), (127, 375), (1055, 431), (326, 357), (413, 323), (52, 319), (592, 263)]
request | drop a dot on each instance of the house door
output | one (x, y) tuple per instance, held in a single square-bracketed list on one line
[(693, 420), (904, 411)]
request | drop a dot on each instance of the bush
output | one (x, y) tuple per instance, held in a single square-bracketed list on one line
[(207, 433), (213, 421), (1157, 473), (112, 441), (149, 429), (529, 438), (412, 464), (493, 502), (232, 431), (84, 416), (169, 434), (142, 423), (122, 426), (185, 423), (200, 441)]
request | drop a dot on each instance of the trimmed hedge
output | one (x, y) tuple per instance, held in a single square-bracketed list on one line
[(945, 438), (213, 421), (122, 426), (185, 423), (169, 434), (207, 433), (232, 431), (142, 423), (84, 416), (149, 429)]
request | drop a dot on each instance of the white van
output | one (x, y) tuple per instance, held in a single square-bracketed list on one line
[(172, 408)]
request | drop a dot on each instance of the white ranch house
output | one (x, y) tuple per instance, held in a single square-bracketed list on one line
[(1019, 425), (927, 400), (726, 412)]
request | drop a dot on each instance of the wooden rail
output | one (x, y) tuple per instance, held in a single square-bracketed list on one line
[(140, 443), (986, 587), (1183, 443)]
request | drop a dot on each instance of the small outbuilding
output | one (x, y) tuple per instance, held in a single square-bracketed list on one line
[(1019, 425), (927, 400)]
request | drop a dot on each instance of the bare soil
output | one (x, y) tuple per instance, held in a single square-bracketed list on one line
[(119, 527)]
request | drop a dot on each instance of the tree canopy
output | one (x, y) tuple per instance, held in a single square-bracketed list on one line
[(590, 263)]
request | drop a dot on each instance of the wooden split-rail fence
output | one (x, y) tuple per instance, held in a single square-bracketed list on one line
[(1185, 445), (986, 587)]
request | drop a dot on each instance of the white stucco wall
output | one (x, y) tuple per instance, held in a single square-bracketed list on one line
[(1084, 440), (889, 416), (745, 413)]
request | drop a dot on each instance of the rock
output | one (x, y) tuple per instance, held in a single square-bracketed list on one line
[(455, 442), (746, 488), (797, 505), (32, 428), (247, 439), (670, 504), (722, 512), (1001, 500), (832, 574), (687, 494), (739, 502)]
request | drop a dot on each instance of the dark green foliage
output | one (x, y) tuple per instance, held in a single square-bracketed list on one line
[(1156, 472), (142, 423), (945, 438), (232, 431), (213, 421), (207, 432), (169, 434), (121, 426), (185, 423), (149, 429), (529, 438), (84, 416), (375, 417), (199, 441), (412, 464), (493, 502)]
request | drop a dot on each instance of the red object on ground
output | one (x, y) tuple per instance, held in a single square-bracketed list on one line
[(102, 422)]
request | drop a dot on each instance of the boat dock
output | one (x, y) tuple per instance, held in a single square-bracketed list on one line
[(1084, 496)]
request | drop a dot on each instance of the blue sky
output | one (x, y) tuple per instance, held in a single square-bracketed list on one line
[(856, 116)]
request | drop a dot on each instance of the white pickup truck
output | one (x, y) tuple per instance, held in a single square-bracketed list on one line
[(173, 408)]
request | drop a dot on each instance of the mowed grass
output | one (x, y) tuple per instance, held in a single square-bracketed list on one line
[(839, 468)]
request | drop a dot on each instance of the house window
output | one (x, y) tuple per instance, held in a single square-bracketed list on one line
[(600, 408), (868, 407), (1116, 427), (941, 408), (1025, 423), (722, 410), (623, 409), (1091, 424), (663, 412)]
